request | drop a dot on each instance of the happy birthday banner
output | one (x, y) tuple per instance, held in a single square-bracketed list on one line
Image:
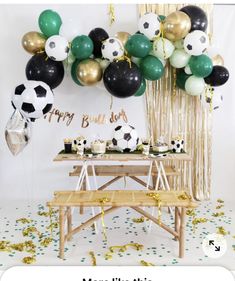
[(67, 118)]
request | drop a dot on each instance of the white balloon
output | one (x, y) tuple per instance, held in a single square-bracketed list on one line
[(163, 48), (69, 30), (194, 85), (196, 43), (33, 99), (187, 70), (112, 49), (179, 44), (149, 25), (179, 58), (162, 61), (57, 48), (136, 60), (103, 63)]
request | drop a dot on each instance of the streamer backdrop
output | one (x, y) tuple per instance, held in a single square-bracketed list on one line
[(171, 112)]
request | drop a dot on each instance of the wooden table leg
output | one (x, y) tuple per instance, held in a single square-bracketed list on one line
[(69, 222), (181, 236), (176, 221), (62, 221), (83, 188)]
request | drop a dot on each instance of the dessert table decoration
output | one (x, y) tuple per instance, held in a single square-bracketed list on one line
[(79, 145), (125, 138), (177, 145)]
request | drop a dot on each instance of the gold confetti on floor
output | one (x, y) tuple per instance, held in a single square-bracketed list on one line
[(29, 260), (199, 220), (222, 231), (138, 220), (220, 201), (24, 220), (46, 242), (190, 213), (93, 258), (219, 207), (145, 263), (219, 214)]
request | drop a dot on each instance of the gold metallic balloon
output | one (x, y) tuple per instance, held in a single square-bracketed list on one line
[(218, 60), (176, 26), (33, 42), (122, 36), (89, 72)]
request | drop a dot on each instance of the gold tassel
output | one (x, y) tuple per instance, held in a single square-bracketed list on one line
[(111, 14), (102, 201)]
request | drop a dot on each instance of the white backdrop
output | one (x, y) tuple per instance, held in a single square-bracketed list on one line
[(32, 174)]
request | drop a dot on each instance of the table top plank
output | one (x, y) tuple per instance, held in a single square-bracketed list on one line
[(119, 198), (122, 157)]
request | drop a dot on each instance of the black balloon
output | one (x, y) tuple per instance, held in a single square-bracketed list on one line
[(41, 68), (197, 16), (98, 35), (121, 80), (219, 76)]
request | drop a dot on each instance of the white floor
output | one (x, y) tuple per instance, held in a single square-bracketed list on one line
[(159, 247)]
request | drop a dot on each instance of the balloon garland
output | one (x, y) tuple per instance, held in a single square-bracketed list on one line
[(121, 63)]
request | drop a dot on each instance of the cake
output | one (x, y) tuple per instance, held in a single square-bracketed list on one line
[(98, 147)]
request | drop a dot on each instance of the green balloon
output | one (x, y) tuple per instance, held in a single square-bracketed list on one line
[(151, 68), (141, 89), (49, 22), (161, 18), (201, 66), (138, 45), (82, 47), (181, 78), (74, 72)]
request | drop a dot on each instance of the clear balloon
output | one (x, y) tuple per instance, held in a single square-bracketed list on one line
[(194, 86), (211, 100), (179, 58), (196, 43), (163, 48), (70, 30), (112, 49), (57, 48), (18, 132), (149, 25)]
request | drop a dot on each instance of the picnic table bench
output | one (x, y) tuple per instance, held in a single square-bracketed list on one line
[(114, 199)]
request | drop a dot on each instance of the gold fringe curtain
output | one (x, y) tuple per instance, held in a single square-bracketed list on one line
[(171, 112)]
